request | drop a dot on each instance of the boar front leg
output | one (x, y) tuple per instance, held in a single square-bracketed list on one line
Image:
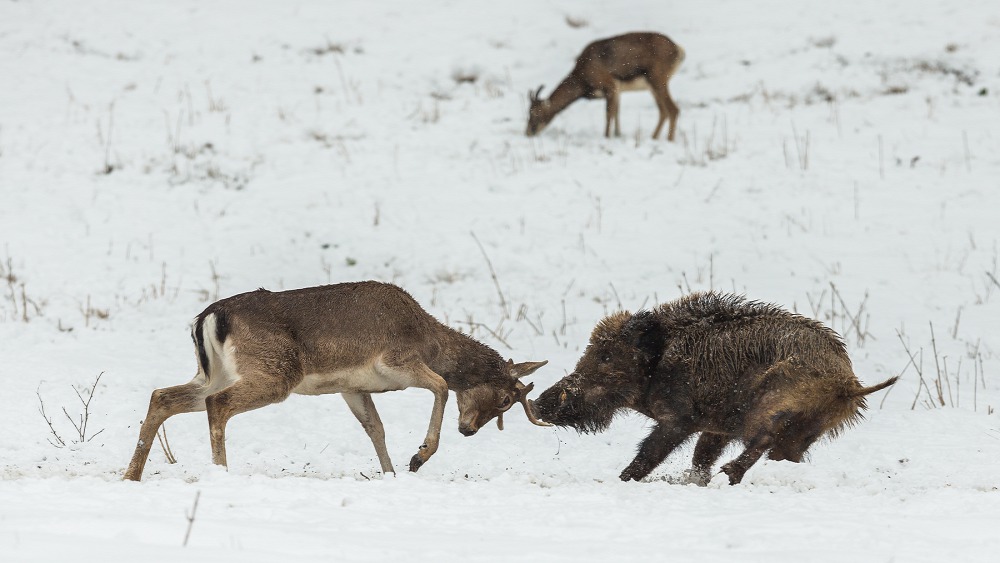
[(655, 448), (738, 467), (706, 453)]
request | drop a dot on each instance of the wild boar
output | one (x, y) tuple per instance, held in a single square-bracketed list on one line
[(718, 364)]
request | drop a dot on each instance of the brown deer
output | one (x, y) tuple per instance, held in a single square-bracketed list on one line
[(605, 68), (256, 348), (718, 364)]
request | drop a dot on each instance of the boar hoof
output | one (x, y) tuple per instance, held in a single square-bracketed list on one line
[(734, 472), (633, 473), (416, 462)]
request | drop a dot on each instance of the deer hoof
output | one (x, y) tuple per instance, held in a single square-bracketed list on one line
[(416, 462)]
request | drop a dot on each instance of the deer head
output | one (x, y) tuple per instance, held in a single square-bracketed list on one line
[(538, 112), (482, 403)]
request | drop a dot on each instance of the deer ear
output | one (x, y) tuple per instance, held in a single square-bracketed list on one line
[(645, 333), (524, 368)]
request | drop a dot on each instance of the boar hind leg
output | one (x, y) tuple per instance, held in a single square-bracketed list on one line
[(706, 453), (738, 467), (654, 449)]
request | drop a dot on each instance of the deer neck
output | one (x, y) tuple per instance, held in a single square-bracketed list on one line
[(569, 90), (464, 362)]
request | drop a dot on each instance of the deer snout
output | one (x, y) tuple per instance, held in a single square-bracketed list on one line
[(467, 429)]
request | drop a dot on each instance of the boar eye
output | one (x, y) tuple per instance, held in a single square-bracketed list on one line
[(606, 358), (563, 396)]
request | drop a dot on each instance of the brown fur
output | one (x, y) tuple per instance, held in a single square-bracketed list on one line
[(717, 364), (356, 339), (605, 68)]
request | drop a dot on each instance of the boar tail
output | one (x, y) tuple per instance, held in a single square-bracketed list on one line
[(869, 390)]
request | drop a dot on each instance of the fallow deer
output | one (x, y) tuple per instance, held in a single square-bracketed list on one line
[(355, 339), (605, 68)]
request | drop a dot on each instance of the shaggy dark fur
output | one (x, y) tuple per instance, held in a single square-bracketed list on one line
[(718, 364)]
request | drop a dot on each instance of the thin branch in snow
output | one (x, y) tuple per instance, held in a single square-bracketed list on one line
[(190, 518)]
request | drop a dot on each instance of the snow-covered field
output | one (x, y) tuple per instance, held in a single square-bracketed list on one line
[(837, 158)]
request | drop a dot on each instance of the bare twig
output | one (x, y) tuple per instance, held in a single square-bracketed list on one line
[(937, 366), (917, 367), (477, 324), (59, 443), (618, 299), (190, 518), (886, 395), (993, 279), (81, 427), (493, 276), (165, 444)]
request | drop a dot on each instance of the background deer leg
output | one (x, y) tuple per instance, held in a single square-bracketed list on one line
[(673, 110), (251, 391), (655, 448), (163, 404), (660, 94), (618, 107), (611, 111), (363, 407)]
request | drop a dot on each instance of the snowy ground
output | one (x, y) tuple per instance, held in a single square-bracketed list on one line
[(838, 158)]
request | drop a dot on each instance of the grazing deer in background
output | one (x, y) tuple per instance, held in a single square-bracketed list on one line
[(256, 348), (718, 364), (605, 68)]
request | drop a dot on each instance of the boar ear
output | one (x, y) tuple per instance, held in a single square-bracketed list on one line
[(644, 332), (524, 368)]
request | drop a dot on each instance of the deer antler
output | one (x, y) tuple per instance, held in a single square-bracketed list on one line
[(523, 391), (534, 96)]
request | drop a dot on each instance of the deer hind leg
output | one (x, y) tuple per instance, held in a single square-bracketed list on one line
[(251, 390), (163, 404), (706, 453), (675, 112), (655, 448), (668, 109), (363, 407)]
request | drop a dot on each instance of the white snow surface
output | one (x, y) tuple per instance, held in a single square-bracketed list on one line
[(837, 158)]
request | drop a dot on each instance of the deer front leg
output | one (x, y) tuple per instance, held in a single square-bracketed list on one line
[(664, 437), (611, 112), (363, 407), (425, 378)]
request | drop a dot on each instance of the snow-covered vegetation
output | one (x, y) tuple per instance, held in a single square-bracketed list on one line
[(838, 158)]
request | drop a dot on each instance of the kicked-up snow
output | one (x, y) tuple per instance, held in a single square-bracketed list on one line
[(838, 159)]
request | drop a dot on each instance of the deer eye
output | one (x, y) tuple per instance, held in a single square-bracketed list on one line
[(506, 402)]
